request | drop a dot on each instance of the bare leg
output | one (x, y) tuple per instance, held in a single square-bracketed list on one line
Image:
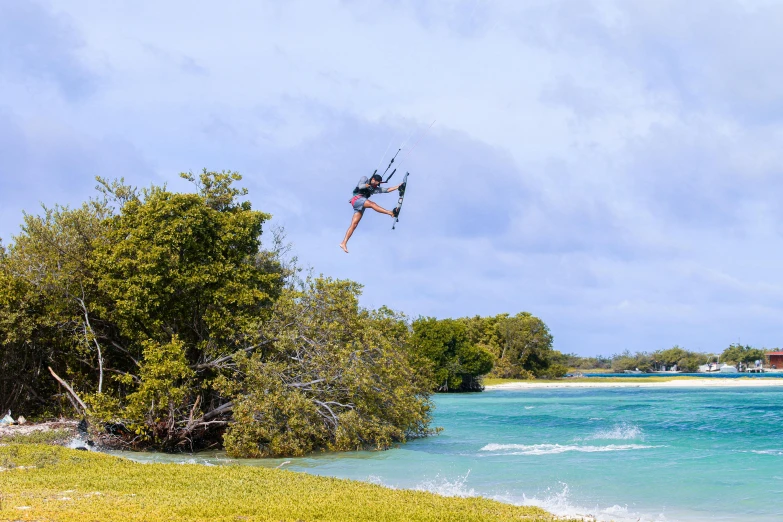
[(370, 204), (357, 216)]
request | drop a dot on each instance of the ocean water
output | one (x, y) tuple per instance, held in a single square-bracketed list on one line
[(616, 454)]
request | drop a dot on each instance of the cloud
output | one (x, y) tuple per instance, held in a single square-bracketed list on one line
[(38, 46), (611, 166), (54, 164)]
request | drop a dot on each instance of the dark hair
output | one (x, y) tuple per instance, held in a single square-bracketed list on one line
[(377, 177)]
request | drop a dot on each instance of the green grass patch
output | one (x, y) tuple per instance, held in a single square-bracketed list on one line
[(488, 381), (38, 437), (53, 483)]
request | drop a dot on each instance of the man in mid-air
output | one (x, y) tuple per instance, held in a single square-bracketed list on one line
[(361, 201)]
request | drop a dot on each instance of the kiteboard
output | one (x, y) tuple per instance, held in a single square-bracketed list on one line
[(401, 190)]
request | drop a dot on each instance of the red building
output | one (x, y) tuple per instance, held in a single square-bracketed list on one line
[(775, 359)]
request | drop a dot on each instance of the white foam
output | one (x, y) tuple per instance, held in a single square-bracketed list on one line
[(439, 485), (550, 449), (559, 504), (377, 480), (622, 431), (448, 488), (77, 443), (555, 502), (767, 452)]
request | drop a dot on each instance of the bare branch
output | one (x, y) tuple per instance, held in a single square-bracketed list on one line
[(190, 423), (136, 378), (303, 384), (70, 390), (125, 351), (95, 340), (217, 411), (216, 362)]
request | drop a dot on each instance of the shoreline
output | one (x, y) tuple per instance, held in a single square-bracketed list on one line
[(52, 482), (675, 382)]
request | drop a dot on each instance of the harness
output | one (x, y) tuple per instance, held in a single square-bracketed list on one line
[(363, 192)]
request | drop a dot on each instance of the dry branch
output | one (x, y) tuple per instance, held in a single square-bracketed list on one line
[(70, 390)]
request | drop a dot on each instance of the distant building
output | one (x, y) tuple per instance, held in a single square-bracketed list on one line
[(775, 358)]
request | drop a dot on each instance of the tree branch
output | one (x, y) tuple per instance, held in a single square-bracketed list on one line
[(70, 390), (125, 351), (303, 384), (95, 340), (217, 411), (215, 362)]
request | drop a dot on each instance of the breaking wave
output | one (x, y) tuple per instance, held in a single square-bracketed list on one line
[(448, 488), (559, 503), (551, 449), (622, 431), (556, 502), (439, 485)]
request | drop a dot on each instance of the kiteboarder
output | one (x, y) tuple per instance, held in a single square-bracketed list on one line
[(361, 200)]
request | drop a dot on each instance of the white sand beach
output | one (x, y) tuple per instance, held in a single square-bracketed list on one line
[(695, 382)]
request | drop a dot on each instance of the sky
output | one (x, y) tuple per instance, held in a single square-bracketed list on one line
[(612, 167)]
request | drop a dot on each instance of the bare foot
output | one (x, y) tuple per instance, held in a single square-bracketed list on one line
[(344, 247)]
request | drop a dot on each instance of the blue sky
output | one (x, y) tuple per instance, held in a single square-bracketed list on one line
[(613, 167)]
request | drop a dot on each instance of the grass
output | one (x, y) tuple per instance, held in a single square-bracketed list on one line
[(53, 483), (491, 381), (38, 437)]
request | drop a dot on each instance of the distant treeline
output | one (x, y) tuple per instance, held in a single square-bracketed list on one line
[(461, 351), (684, 360)]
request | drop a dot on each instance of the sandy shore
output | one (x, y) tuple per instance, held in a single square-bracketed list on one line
[(30, 428), (674, 383)]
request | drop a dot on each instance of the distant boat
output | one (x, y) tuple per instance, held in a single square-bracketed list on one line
[(633, 371), (727, 368)]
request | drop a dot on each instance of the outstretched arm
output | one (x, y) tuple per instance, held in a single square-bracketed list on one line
[(392, 189)]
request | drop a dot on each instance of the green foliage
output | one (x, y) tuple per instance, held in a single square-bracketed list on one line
[(331, 376), (661, 360), (685, 360), (455, 363), (77, 485), (165, 382), (172, 324), (184, 264), (572, 360), (690, 363), (139, 299), (641, 361), (44, 278), (736, 353), (671, 356), (460, 351), (554, 371), (183, 291), (524, 347)]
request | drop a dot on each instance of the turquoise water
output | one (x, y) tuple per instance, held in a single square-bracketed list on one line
[(618, 454)]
